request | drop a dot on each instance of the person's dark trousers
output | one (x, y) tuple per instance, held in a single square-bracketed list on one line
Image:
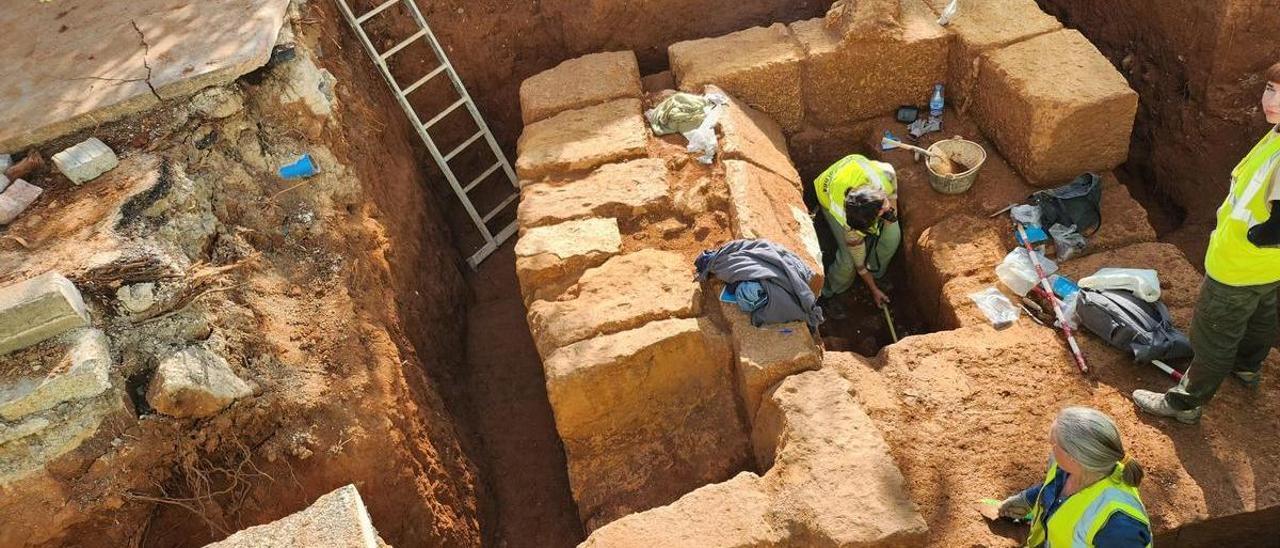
[(1232, 331)]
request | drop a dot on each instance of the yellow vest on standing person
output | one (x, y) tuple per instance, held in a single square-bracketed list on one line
[(1232, 259), (1075, 523), (853, 171)]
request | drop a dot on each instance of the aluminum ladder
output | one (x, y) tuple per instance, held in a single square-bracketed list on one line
[(492, 240)]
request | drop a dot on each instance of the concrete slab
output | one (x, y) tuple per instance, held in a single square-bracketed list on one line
[(764, 205), (1056, 107), (625, 191), (582, 139), (581, 82), (765, 355), (761, 66), (336, 519), (87, 62), (868, 75), (75, 366), (752, 136), (550, 258), (646, 415), (626, 292), (37, 309), (982, 25)]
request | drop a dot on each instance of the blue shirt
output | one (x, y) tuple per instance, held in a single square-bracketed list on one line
[(1120, 530)]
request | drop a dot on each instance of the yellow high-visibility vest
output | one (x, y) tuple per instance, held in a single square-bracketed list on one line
[(1231, 258), (853, 171), (1078, 520)]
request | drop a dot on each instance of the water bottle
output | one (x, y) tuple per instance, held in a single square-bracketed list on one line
[(936, 102)]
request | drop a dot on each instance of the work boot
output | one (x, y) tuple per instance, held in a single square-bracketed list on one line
[(1156, 404), (1251, 379)]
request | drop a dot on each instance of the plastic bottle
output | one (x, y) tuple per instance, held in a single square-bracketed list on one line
[(936, 103)]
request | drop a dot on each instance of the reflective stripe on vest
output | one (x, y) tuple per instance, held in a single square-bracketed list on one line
[(853, 171), (1082, 515), (1231, 259)]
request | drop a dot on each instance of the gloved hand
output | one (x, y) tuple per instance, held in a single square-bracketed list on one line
[(1015, 507), (1267, 234)]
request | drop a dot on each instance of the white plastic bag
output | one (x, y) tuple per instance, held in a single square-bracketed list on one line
[(1067, 241), (1144, 283), (1026, 214), (703, 140), (1069, 307), (998, 309), (1017, 272)]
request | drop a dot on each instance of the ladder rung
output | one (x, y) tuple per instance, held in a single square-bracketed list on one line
[(482, 177), (501, 207), (424, 79), (446, 112), (384, 55), (376, 11), (464, 145)]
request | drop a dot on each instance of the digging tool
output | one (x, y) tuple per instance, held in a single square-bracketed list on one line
[(1004, 209), (1177, 375), (952, 165), (888, 319), (1057, 303)]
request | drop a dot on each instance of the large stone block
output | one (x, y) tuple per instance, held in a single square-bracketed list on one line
[(37, 309), (761, 66), (958, 246), (581, 82), (646, 415), (626, 292), (983, 25), (582, 139), (195, 382), (1124, 220), (1055, 107), (765, 205), (336, 519), (765, 355), (550, 258), (75, 366), (626, 191), (752, 136), (871, 74), (44, 437)]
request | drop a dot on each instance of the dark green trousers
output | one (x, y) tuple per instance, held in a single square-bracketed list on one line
[(1232, 331)]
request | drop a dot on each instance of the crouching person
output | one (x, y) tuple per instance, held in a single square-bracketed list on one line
[(859, 199), (1090, 493)]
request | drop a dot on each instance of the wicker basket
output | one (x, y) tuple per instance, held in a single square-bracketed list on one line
[(965, 152)]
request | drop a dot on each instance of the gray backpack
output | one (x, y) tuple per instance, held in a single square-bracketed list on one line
[(1130, 323)]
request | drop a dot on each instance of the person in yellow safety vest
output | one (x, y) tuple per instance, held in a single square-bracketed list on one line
[(1089, 496), (859, 199), (1235, 321)]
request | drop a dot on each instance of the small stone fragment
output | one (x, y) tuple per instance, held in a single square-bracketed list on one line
[(137, 298), (4, 183), (217, 103), (38, 309), (84, 162), (195, 382), (16, 198)]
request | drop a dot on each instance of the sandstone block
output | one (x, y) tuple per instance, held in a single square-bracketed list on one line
[(646, 415), (958, 246), (1124, 220), (956, 309), (38, 309), (550, 258), (195, 382), (981, 26), (86, 160), (76, 366), (765, 205), (751, 136), (765, 355), (336, 519), (830, 466), (626, 292), (871, 74), (582, 82), (761, 66), (39, 439), (625, 191), (1055, 107), (582, 139), (16, 198)]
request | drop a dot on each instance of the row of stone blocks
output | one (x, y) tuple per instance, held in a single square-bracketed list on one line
[(1051, 102)]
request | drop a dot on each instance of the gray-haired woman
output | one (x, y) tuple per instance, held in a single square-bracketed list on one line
[(1090, 494)]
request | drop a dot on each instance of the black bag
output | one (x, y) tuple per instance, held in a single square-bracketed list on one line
[(1130, 323), (1076, 203)]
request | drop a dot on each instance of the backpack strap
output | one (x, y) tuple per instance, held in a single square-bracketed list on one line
[(1133, 309)]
